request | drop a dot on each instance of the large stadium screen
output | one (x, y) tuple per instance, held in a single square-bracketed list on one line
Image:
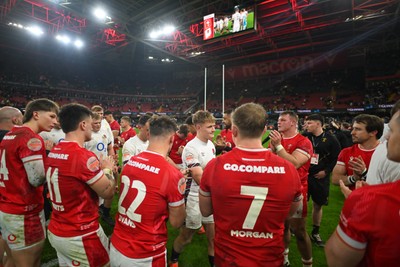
[(240, 19)]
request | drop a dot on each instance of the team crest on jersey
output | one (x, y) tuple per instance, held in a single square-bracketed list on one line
[(11, 238), (182, 185), (189, 158), (75, 263), (93, 164), (34, 144)]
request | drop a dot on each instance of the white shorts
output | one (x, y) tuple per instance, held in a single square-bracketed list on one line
[(87, 250), (120, 260), (22, 231), (194, 219)]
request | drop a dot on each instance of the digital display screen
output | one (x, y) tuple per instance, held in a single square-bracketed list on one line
[(240, 19)]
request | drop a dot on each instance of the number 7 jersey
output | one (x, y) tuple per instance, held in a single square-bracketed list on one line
[(251, 192)]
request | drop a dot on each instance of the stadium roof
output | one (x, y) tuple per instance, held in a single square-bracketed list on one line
[(284, 28)]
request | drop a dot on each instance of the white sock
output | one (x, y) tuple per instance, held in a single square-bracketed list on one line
[(286, 255), (307, 263)]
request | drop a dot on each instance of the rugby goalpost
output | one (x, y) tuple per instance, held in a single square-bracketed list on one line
[(223, 89)]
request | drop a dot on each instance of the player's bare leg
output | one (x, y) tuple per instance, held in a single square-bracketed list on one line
[(29, 257), (2, 252), (286, 240), (7, 260), (210, 233), (298, 225), (184, 238)]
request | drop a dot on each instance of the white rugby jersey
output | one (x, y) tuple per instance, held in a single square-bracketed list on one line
[(98, 144), (55, 136), (132, 147), (197, 153)]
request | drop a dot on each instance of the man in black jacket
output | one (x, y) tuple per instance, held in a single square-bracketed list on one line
[(326, 149)]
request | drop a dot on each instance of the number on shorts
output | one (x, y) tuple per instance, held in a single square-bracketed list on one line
[(3, 166), (260, 194), (141, 194), (52, 183)]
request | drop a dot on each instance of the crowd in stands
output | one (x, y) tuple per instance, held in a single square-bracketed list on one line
[(183, 92)]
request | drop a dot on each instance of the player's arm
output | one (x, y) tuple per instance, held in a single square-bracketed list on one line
[(196, 172), (177, 215), (34, 168), (110, 150), (340, 173), (206, 207), (105, 186), (110, 137), (170, 161), (115, 133), (297, 158), (340, 254)]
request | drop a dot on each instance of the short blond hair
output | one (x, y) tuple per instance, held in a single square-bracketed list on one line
[(202, 116)]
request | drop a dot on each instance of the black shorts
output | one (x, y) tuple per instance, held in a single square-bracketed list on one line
[(318, 190)]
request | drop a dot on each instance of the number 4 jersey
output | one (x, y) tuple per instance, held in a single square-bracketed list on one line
[(17, 195), (149, 185), (251, 193), (70, 170)]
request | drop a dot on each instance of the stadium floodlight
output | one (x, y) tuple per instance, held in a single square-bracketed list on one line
[(35, 30), (100, 13), (154, 34), (169, 29), (167, 60), (78, 43), (63, 38), (150, 57)]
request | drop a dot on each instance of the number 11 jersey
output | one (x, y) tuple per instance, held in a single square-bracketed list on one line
[(70, 170)]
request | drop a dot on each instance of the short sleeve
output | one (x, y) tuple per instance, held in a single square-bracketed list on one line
[(90, 168), (31, 148), (176, 189), (190, 157), (341, 160), (127, 151), (305, 147), (354, 219)]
